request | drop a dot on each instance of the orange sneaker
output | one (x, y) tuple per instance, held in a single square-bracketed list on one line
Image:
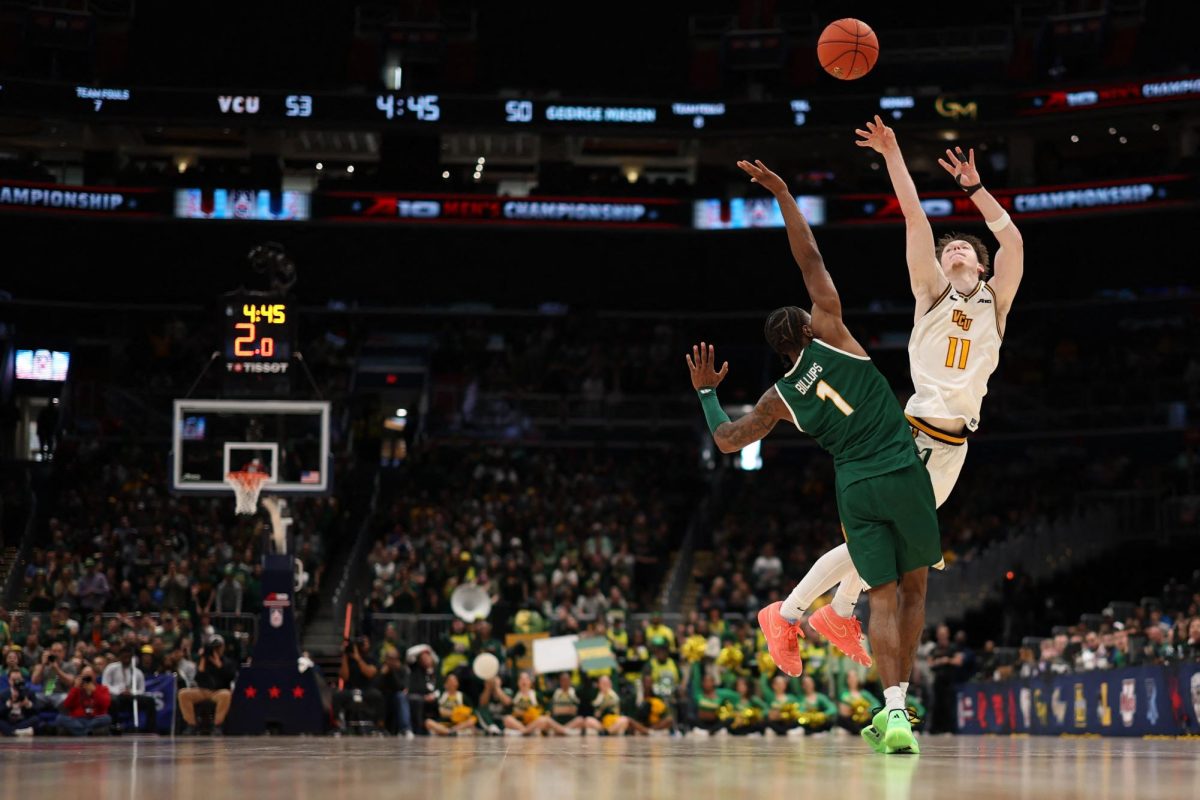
[(845, 634), (783, 639)]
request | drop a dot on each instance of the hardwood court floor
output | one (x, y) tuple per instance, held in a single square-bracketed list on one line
[(476, 768)]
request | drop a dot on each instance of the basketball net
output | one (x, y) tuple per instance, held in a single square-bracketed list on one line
[(246, 486)]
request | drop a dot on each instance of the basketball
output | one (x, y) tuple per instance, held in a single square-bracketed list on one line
[(847, 49)]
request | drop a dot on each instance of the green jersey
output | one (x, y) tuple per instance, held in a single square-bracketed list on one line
[(844, 403)]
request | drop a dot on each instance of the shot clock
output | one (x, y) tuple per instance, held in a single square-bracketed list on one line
[(258, 334)]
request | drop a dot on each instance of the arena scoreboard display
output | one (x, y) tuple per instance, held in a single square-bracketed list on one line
[(258, 332)]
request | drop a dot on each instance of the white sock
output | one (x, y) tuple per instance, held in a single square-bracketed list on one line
[(904, 689), (847, 595), (832, 568), (893, 698)]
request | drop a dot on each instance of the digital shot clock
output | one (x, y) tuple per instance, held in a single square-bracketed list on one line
[(258, 331)]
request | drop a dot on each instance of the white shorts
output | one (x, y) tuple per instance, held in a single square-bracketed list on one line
[(944, 462)]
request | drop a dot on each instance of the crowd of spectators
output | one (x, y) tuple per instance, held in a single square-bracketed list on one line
[(704, 675), (123, 573), (565, 535), (116, 542), (80, 674)]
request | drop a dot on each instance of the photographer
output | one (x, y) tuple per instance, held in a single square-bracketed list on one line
[(16, 708), (215, 674), (86, 707), (358, 673), (55, 674)]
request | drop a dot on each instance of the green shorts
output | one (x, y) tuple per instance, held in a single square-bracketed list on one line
[(891, 524)]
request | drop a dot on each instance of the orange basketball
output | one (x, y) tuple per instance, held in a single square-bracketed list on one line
[(847, 49)]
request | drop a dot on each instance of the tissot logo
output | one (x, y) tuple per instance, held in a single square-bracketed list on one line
[(258, 367), (238, 104)]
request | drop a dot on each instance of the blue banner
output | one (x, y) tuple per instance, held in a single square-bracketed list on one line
[(162, 689), (1185, 698), (1135, 701)]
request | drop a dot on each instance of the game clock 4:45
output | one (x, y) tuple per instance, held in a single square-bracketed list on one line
[(257, 329)]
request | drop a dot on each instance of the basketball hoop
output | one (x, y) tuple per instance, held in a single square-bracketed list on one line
[(246, 487)]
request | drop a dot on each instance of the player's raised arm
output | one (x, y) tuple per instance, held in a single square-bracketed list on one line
[(923, 271), (1010, 258), (730, 435), (800, 236)]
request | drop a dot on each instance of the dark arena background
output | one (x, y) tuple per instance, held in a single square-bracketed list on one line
[(412, 283)]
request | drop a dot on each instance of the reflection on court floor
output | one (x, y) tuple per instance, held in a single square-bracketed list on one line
[(557, 769)]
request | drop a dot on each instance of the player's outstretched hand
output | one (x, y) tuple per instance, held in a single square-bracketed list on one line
[(759, 174), (701, 363), (877, 136), (961, 167)]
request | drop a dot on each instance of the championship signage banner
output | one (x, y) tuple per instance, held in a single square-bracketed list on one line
[(1135, 701), (486, 210), (1040, 201), (98, 201), (1109, 95)]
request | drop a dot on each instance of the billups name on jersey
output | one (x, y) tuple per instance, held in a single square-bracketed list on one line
[(808, 379)]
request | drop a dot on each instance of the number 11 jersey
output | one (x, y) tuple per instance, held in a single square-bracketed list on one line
[(953, 350), (846, 405)]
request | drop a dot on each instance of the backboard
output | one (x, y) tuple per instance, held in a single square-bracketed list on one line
[(290, 439)]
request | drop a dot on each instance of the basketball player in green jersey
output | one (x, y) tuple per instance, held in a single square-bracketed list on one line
[(834, 392)]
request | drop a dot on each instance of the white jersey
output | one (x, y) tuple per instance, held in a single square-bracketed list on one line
[(953, 350)]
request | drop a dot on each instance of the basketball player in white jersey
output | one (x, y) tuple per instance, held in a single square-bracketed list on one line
[(958, 326)]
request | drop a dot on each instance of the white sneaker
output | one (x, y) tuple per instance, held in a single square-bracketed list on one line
[(24, 732), (511, 732), (795, 732), (409, 735), (702, 733), (493, 730)]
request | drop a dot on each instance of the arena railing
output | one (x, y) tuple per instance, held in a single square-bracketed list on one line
[(432, 628), (12, 582), (224, 624)]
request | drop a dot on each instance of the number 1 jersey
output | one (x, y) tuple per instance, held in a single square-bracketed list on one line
[(844, 403)]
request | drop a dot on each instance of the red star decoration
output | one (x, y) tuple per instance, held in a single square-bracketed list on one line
[(251, 692), (298, 692), (273, 692)]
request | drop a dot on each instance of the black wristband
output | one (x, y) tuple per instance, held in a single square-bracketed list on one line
[(970, 190)]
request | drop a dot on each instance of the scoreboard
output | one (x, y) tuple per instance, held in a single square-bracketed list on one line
[(430, 110), (259, 333)]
